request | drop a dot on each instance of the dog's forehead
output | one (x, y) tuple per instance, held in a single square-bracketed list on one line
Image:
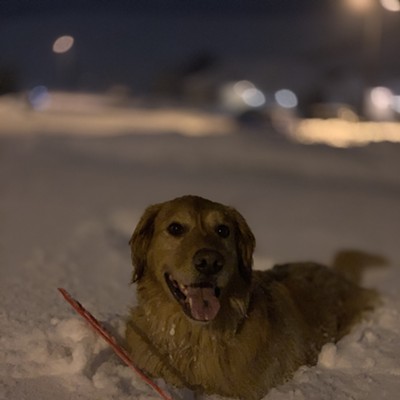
[(186, 209)]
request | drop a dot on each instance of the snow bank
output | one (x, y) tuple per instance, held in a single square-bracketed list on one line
[(69, 205)]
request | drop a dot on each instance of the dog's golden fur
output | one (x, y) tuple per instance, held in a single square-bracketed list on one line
[(250, 330)]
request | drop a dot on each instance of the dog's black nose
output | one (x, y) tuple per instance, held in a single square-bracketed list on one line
[(208, 261)]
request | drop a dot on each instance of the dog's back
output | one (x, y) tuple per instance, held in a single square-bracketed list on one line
[(328, 300)]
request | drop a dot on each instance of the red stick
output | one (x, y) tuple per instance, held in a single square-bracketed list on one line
[(121, 353)]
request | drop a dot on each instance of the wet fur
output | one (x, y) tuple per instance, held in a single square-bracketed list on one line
[(270, 323)]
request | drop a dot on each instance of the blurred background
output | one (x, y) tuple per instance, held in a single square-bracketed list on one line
[(285, 106), (283, 65)]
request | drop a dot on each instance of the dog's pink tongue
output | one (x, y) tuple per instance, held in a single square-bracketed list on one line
[(204, 305)]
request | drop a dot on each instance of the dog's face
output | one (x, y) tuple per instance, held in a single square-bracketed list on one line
[(195, 250)]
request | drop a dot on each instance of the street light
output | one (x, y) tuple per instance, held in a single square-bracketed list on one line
[(65, 61), (63, 44)]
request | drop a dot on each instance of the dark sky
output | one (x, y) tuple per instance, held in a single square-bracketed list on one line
[(246, 7), (134, 42)]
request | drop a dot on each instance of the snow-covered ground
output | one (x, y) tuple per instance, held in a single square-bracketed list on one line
[(69, 203)]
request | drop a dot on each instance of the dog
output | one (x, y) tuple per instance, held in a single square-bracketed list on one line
[(206, 321)]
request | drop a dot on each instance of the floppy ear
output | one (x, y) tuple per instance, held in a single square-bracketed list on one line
[(141, 239), (245, 244)]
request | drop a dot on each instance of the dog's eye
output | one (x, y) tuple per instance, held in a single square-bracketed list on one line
[(223, 231), (176, 229)]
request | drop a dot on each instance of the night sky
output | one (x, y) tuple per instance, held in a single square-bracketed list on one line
[(246, 7), (138, 43), (134, 41)]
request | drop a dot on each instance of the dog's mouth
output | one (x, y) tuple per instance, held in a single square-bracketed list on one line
[(199, 301)]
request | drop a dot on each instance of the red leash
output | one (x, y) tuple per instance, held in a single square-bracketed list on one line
[(121, 353)]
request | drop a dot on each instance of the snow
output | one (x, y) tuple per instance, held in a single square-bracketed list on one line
[(69, 204)]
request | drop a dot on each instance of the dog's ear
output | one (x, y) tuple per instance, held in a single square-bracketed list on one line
[(140, 240), (245, 244)]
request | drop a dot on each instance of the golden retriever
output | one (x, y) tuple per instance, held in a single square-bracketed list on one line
[(206, 321)]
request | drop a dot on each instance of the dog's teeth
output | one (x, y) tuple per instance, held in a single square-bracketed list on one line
[(184, 289)]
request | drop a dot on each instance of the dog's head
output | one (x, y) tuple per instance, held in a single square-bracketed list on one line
[(195, 250)]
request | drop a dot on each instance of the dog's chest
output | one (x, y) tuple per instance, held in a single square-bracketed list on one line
[(206, 359), (192, 350), (190, 355), (226, 362)]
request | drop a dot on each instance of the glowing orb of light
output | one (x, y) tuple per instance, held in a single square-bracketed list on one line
[(381, 97), (253, 97), (286, 98), (391, 5), (63, 44)]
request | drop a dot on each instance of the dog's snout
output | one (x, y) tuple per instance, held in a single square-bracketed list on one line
[(208, 261)]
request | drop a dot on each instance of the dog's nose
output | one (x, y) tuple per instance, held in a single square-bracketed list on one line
[(208, 261)]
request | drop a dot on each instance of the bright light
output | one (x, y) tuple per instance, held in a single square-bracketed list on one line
[(379, 104), (381, 97), (340, 133), (250, 95), (253, 97), (391, 5), (239, 96), (63, 44), (286, 98)]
